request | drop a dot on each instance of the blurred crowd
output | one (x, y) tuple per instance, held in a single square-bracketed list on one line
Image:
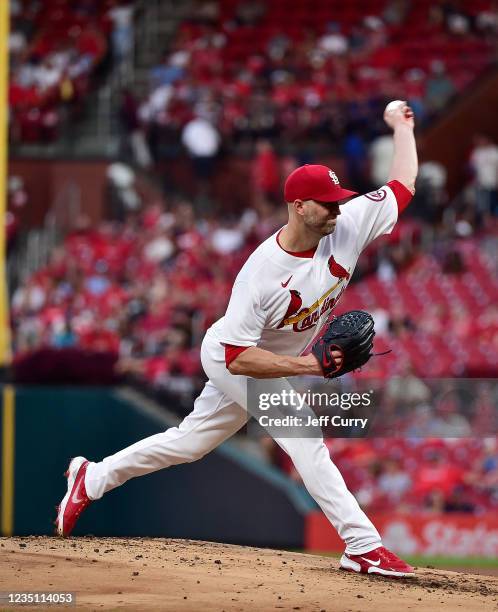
[(239, 71), (432, 446), (281, 85), (308, 80), (144, 289), (147, 283), (55, 47), (421, 475)]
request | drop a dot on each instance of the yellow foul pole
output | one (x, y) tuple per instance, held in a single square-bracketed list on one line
[(7, 472), (4, 69), (7, 406)]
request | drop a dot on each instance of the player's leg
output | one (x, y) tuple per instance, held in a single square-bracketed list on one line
[(321, 477), (364, 551), (312, 460), (324, 483), (214, 419)]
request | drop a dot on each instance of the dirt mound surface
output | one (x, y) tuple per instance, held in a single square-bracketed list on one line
[(185, 575)]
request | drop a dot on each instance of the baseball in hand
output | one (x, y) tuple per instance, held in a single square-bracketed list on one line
[(398, 112), (392, 106)]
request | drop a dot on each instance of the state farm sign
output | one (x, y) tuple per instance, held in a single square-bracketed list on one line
[(456, 535)]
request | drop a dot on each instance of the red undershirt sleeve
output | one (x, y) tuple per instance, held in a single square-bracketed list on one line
[(231, 352), (402, 194)]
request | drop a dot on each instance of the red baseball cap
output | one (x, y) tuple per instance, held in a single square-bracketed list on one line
[(314, 182)]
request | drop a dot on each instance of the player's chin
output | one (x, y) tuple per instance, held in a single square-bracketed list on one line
[(329, 228)]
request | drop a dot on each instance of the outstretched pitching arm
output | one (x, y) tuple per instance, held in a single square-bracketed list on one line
[(404, 166)]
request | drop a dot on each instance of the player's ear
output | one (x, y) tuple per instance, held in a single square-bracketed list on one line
[(298, 206)]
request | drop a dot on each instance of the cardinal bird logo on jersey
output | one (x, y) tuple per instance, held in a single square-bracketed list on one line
[(336, 269), (295, 304)]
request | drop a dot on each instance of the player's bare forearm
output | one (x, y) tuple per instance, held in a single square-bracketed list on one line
[(404, 166), (258, 363)]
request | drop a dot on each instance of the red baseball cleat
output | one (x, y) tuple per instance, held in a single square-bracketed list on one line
[(379, 561), (75, 500)]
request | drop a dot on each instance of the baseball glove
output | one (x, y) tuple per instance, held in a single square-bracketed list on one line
[(352, 334)]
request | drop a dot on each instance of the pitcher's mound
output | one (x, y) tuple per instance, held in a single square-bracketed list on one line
[(179, 575)]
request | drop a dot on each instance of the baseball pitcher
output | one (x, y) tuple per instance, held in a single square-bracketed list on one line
[(280, 301)]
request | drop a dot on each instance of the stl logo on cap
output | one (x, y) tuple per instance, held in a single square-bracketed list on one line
[(333, 176), (315, 182)]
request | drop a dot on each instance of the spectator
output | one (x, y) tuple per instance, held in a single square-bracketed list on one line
[(202, 142), (159, 247), (485, 418), (449, 423), (226, 240), (437, 476), (249, 13), (380, 153), (458, 23), (135, 139), (265, 172), (333, 42), (171, 69), (121, 16), (408, 388), (457, 501), (439, 88), (421, 423), (17, 194), (400, 323), (431, 191), (205, 11), (17, 45), (123, 197), (414, 91), (487, 21), (434, 501), (396, 12), (394, 482), (487, 476), (47, 75), (64, 336), (484, 164), (386, 272), (355, 154)]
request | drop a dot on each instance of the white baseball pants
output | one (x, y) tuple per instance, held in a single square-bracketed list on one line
[(219, 412)]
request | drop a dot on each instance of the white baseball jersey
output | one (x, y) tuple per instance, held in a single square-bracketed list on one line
[(280, 301)]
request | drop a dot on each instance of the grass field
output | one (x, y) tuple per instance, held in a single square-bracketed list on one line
[(448, 562)]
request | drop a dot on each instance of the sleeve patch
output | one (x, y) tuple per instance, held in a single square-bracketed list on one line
[(377, 196)]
